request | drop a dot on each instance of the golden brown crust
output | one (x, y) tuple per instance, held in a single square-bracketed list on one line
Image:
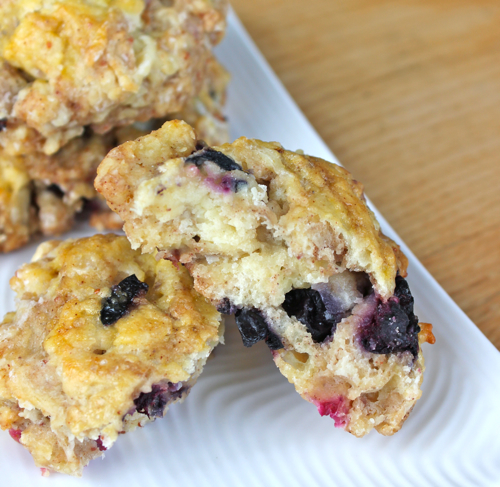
[(44, 193), (63, 368), (103, 64), (314, 208)]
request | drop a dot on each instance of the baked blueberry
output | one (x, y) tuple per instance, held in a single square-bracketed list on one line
[(231, 184), (208, 154), (394, 327), (121, 299), (308, 307), (153, 403), (254, 328), (226, 307)]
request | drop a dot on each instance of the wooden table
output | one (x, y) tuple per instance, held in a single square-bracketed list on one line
[(407, 95)]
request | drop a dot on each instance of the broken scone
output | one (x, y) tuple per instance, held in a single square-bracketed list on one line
[(41, 194), (103, 339), (287, 243)]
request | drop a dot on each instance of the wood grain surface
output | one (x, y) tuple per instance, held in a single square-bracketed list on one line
[(407, 95)]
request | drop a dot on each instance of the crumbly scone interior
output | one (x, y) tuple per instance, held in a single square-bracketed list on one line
[(68, 384), (43, 194), (359, 390), (246, 221)]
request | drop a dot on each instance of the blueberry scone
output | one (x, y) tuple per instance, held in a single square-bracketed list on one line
[(287, 243), (99, 63), (41, 194), (103, 340)]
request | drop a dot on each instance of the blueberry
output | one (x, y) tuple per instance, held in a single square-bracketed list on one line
[(238, 184), (226, 307), (402, 292), (394, 327), (273, 341), (121, 299), (201, 144), (3, 124), (254, 328), (308, 307), (208, 154), (153, 403), (230, 184), (56, 190)]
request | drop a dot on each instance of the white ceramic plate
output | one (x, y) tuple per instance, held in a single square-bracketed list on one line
[(244, 425)]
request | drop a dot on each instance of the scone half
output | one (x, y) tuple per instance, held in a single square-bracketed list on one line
[(287, 242), (103, 340)]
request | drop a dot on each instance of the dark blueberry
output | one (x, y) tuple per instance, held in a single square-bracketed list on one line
[(56, 190), (253, 328), (121, 299), (394, 327), (226, 307), (308, 307), (201, 144), (239, 184), (273, 341), (402, 292), (208, 154), (3, 124), (153, 403)]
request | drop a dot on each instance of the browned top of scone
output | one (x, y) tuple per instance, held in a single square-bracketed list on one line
[(60, 356), (314, 210), (101, 63)]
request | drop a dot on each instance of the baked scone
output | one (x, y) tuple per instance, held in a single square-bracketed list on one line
[(44, 194), (99, 63), (205, 112), (103, 340), (287, 243)]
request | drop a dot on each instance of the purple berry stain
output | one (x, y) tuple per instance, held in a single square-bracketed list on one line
[(227, 184), (15, 434), (337, 408), (393, 327), (122, 299), (100, 444)]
